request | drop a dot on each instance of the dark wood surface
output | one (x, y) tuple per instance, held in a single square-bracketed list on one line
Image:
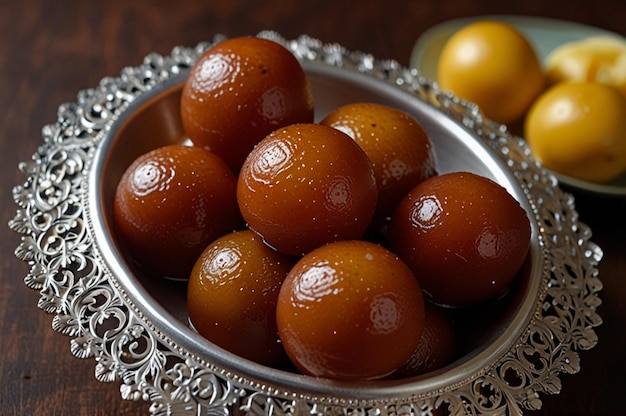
[(49, 50)]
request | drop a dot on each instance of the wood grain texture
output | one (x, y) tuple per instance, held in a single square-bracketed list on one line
[(51, 50)]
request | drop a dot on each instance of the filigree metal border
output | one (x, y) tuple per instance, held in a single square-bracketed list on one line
[(92, 310)]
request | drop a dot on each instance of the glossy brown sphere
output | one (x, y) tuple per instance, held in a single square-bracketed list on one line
[(306, 185), (398, 146), (437, 345), (350, 310), (170, 204), (232, 295), (239, 91), (463, 235)]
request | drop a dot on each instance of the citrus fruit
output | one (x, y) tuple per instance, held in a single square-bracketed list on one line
[(493, 65), (579, 129), (599, 58)]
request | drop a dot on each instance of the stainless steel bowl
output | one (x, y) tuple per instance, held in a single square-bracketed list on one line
[(138, 331)]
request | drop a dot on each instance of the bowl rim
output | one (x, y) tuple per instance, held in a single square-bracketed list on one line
[(66, 158)]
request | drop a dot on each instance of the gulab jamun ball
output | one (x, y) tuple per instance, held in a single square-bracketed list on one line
[(350, 310), (305, 185), (170, 204), (239, 91), (398, 146), (437, 345), (463, 236), (232, 295)]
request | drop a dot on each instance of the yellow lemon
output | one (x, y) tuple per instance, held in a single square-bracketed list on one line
[(579, 129), (493, 65), (598, 58)]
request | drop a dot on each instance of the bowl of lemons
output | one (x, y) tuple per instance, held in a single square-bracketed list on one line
[(558, 84)]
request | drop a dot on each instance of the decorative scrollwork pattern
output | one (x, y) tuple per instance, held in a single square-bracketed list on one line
[(89, 307)]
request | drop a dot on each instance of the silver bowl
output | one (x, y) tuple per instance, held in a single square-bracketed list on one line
[(137, 330)]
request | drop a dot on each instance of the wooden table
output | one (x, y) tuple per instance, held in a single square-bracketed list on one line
[(51, 50)]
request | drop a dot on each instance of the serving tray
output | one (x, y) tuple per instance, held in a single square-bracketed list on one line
[(107, 319)]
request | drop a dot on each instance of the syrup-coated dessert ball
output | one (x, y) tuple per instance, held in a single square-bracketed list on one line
[(239, 91), (232, 295), (398, 146), (463, 235), (305, 185), (437, 345), (350, 310), (170, 204)]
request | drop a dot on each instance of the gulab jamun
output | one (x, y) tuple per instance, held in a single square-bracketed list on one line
[(239, 91), (170, 204), (350, 310), (397, 145), (437, 345), (305, 185), (464, 236), (232, 295)]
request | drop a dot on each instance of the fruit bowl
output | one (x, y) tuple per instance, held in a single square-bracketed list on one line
[(545, 35), (137, 329)]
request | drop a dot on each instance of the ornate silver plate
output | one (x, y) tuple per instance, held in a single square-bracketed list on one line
[(137, 333)]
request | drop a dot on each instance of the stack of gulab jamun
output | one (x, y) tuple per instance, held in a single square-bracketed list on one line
[(333, 248)]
